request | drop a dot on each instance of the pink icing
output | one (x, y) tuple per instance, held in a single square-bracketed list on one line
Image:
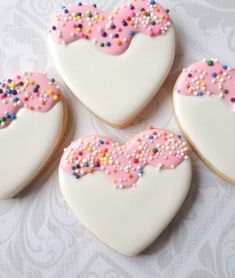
[(124, 164), (208, 77), (33, 91), (111, 32)]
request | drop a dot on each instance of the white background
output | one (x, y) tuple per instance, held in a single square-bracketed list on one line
[(40, 237)]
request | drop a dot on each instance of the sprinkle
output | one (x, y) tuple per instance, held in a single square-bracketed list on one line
[(146, 17), (132, 33), (33, 91), (210, 63), (124, 165), (208, 77)]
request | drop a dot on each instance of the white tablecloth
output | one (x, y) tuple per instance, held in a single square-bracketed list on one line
[(39, 235)]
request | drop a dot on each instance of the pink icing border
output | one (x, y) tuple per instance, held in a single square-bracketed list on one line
[(208, 77), (124, 165), (33, 91), (113, 32)]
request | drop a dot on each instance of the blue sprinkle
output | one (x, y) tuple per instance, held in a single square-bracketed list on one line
[(79, 4), (66, 11), (225, 67), (9, 80), (132, 33), (76, 175), (8, 116), (16, 99), (86, 164), (214, 74), (9, 91), (52, 79), (141, 171), (108, 44), (101, 142), (13, 117), (152, 2), (150, 136), (200, 93)]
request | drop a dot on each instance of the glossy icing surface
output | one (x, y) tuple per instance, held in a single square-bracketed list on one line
[(33, 91), (118, 217), (204, 97), (116, 88), (28, 143), (209, 124), (208, 77), (113, 32), (124, 165)]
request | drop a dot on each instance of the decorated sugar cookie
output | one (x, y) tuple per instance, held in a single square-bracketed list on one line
[(126, 195), (32, 120), (114, 62), (204, 101)]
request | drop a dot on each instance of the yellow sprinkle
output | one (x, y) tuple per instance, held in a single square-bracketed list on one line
[(89, 149), (89, 30), (203, 84), (56, 98), (50, 92), (79, 30), (13, 85), (119, 42), (101, 17), (78, 17)]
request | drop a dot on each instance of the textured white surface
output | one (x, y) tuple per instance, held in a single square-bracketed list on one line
[(39, 235)]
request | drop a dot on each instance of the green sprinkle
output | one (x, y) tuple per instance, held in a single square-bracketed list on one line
[(226, 91), (154, 150), (210, 63)]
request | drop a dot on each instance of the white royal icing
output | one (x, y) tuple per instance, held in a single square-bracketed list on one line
[(127, 220), (209, 123), (116, 88), (26, 146)]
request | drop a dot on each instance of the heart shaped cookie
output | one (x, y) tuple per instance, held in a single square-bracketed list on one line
[(114, 63), (126, 195), (204, 101), (32, 120)]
